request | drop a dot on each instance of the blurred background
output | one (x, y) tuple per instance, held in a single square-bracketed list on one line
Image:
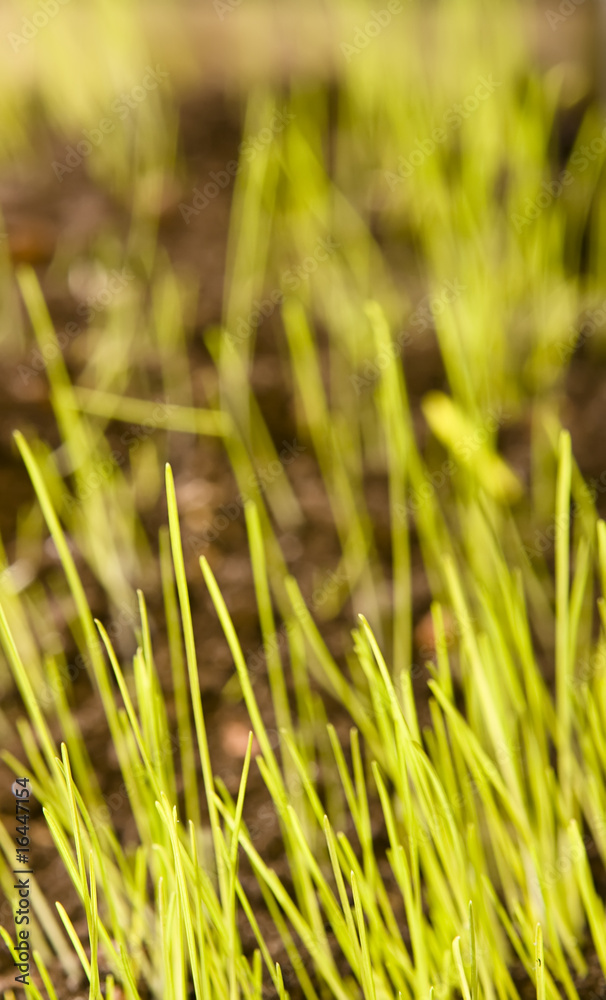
[(167, 170), (198, 201)]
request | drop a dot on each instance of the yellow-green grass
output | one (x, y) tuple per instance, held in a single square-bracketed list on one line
[(490, 811)]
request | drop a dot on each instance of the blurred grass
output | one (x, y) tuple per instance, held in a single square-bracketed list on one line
[(487, 805)]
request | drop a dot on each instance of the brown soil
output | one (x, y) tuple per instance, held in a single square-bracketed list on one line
[(39, 215)]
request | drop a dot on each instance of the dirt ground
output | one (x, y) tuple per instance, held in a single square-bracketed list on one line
[(38, 214)]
